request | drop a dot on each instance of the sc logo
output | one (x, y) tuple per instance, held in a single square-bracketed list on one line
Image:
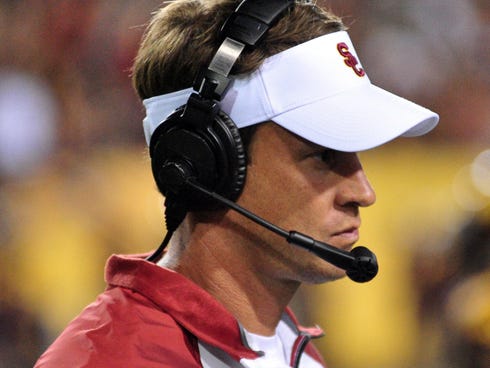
[(349, 59)]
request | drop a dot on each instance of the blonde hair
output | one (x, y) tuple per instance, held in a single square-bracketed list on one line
[(183, 36)]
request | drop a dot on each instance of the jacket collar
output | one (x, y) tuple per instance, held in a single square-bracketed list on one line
[(189, 305)]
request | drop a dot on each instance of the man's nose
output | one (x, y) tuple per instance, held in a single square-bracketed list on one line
[(356, 188)]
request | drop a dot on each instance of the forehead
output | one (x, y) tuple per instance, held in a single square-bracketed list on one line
[(271, 140), (276, 149)]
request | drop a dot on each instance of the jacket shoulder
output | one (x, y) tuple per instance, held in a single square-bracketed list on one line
[(122, 329)]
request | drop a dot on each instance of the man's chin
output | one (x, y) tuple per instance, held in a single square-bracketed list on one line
[(332, 274)]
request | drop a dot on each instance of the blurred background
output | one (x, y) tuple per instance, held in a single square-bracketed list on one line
[(75, 182)]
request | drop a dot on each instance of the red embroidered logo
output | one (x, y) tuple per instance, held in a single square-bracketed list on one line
[(349, 59)]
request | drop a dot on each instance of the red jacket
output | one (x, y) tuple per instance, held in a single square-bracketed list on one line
[(149, 317)]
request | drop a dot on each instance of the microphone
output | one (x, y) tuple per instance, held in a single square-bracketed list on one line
[(360, 263)]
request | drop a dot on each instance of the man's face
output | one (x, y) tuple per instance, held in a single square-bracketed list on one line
[(301, 186)]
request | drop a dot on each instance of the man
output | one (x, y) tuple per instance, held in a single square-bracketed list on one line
[(304, 106)]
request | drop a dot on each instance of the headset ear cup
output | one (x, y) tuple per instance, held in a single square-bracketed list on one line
[(229, 135), (215, 155)]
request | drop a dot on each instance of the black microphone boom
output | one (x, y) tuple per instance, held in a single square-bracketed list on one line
[(360, 263)]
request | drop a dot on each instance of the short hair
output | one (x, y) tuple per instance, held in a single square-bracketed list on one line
[(183, 36)]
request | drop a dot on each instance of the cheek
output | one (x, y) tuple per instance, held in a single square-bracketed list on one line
[(265, 191), (285, 196)]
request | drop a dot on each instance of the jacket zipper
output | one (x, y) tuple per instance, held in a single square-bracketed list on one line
[(298, 348)]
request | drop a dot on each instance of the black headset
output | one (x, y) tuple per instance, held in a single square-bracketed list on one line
[(200, 141)]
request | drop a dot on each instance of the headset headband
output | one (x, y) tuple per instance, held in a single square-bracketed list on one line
[(244, 28)]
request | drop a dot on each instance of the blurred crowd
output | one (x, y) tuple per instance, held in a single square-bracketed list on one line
[(75, 183)]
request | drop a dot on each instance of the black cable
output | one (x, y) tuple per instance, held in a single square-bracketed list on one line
[(175, 211), (155, 256)]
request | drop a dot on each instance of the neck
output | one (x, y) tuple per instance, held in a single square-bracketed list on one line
[(230, 266)]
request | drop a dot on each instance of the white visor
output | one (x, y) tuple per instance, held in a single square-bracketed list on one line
[(317, 90)]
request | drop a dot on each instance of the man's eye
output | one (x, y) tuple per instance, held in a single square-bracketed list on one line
[(327, 156)]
